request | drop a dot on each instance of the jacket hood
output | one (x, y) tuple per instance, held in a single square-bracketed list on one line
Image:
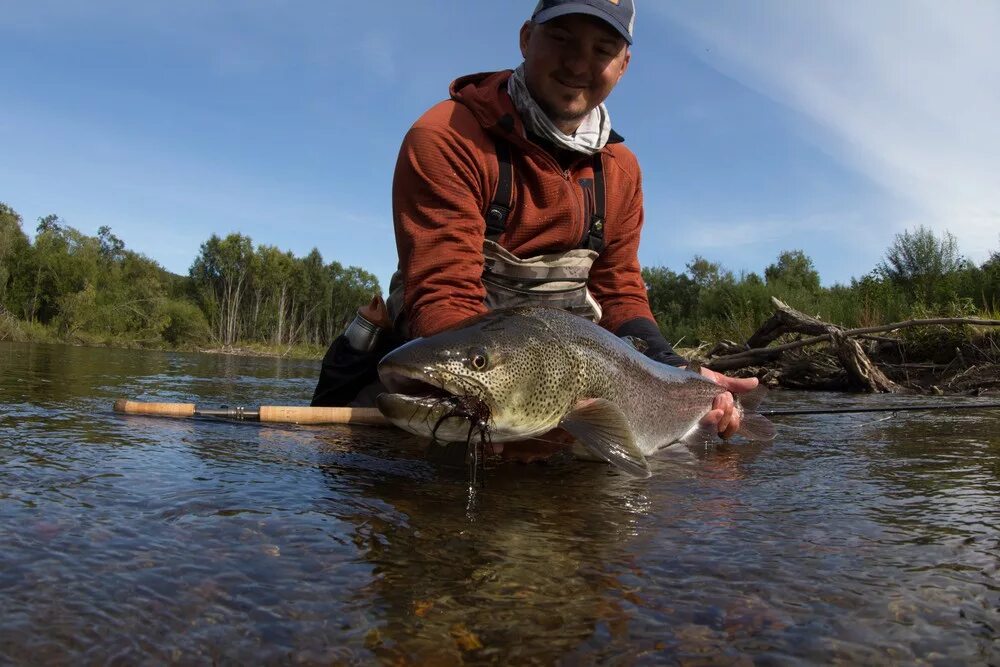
[(485, 95)]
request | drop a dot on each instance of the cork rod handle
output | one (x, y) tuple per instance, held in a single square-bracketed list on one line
[(309, 415), (159, 409)]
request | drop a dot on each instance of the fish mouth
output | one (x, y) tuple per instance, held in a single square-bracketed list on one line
[(418, 383), (429, 404), (414, 382)]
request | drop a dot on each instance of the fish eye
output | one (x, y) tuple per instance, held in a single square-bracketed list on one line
[(478, 359)]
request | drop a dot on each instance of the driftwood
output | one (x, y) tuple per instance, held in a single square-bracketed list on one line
[(858, 370)]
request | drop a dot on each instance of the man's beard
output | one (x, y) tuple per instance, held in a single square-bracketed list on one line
[(557, 116)]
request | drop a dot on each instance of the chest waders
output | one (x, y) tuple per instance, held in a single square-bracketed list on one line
[(556, 279), (559, 280)]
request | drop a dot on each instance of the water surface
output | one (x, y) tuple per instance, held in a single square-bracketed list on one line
[(851, 538)]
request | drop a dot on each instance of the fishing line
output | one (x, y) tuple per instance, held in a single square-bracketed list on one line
[(888, 408)]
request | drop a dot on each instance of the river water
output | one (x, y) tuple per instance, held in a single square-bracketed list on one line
[(851, 538)]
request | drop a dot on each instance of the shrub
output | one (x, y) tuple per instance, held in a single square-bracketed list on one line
[(185, 323)]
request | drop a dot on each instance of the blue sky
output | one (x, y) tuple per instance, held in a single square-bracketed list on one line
[(825, 126)]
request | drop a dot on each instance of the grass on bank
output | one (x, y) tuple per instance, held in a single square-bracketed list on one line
[(18, 331), (937, 343)]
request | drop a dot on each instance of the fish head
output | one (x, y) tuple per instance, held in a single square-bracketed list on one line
[(505, 370)]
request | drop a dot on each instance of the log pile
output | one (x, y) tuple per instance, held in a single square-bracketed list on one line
[(842, 362)]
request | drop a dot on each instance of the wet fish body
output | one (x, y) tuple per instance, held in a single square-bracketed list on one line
[(536, 369)]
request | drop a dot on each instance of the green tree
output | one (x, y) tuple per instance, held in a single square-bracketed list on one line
[(14, 249), (222, 271), (184, 323), (132, 297), (706, 274), (989, 287), (272, 284), (50, 247), (673, 298), (923, 264), (352, 287), (112, 247), (314, 288), (794, 270)]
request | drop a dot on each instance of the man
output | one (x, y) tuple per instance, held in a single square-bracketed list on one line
[(516, 190)]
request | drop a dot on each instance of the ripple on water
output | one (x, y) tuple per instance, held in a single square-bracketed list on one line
[(137, 539)]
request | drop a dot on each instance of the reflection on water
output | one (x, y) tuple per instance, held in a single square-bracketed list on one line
[(851, 538)]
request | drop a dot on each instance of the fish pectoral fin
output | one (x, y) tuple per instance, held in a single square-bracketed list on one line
[(602, 428), (701, 434)]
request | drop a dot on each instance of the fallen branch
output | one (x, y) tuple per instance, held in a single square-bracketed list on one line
[(769, 332), (861, 372)]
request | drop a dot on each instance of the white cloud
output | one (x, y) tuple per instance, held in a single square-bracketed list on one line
[(906, 92)]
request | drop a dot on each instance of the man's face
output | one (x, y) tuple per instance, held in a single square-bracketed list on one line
[(571, 64)]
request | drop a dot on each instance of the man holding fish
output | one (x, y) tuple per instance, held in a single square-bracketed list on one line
[(516, 191)]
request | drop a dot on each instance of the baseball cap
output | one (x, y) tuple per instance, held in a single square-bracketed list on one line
[(619, 13)]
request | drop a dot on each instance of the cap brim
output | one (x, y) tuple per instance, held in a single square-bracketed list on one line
[(563, 10)]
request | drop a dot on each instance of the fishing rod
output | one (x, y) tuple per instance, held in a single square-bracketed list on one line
[(888, 408), (280, 414), (292, 414)]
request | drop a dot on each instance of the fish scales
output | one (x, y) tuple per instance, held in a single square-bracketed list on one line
[(537, 369)]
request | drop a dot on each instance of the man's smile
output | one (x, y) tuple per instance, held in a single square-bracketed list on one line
[(570, 84)]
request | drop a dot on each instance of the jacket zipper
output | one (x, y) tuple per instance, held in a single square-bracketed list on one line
[(567, 178)]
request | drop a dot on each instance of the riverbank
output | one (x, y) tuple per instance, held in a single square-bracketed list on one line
[(18, 331), (939, 360)]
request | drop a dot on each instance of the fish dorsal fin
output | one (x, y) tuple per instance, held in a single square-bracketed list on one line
[(603, 430)]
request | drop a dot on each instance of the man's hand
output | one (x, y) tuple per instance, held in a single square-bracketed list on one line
[(723, 414)]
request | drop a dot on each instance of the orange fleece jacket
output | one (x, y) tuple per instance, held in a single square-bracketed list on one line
[(445, 177)]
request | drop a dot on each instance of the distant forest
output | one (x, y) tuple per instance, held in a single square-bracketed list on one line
[(71, 287), (922, 275), (67, 286)]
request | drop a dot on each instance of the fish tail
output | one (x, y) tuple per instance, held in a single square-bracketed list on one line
[(756, 427), (750, 401), (752, 425)]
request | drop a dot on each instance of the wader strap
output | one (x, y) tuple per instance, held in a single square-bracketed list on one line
[(503, 199), (594, 239)]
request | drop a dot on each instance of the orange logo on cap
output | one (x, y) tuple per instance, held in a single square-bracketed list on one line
[(614, 2)]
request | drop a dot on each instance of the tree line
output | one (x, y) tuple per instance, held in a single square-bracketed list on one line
[(922, 274), (65, 285)]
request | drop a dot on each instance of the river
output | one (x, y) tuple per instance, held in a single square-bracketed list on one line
[(859, 539)]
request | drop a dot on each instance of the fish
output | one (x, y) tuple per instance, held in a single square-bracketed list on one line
[(522, 372)]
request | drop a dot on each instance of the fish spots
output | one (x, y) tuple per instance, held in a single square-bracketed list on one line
[(530, 366)]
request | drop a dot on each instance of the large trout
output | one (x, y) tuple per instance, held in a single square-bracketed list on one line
[(533, 369)]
